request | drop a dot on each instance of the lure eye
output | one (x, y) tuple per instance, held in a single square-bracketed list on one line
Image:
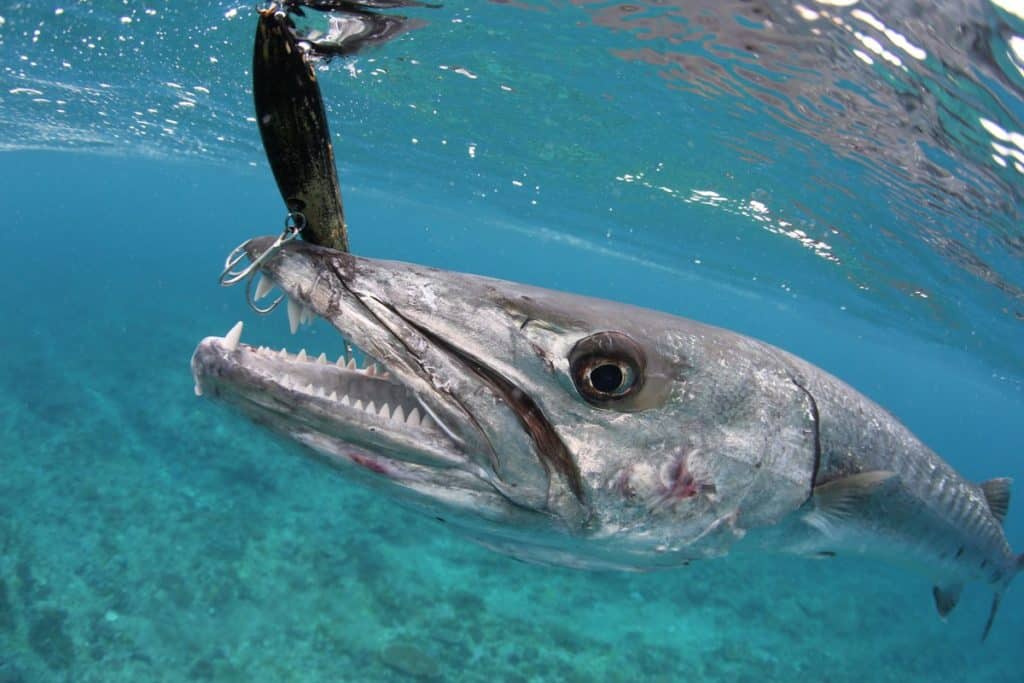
[(606, 366)]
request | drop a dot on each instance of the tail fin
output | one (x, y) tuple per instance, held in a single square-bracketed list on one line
[(992, 614), (1018, 567)]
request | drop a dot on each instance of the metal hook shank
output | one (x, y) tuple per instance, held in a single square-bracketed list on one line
[(228, 276)]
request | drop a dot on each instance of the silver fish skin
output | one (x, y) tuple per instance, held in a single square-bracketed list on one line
[(576, 431)]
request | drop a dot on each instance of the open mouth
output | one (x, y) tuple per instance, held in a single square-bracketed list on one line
[(350, 398), (362, 387)]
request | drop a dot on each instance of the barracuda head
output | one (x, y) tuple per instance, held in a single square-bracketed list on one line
[(554, 427)]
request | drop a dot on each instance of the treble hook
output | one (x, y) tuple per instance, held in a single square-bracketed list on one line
[(251, 300), (294, 222)]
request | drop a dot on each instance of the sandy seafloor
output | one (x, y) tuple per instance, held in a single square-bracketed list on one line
[(147, 535)]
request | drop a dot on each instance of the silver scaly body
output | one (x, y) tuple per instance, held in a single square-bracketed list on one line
[(930, 517), (570, 430)]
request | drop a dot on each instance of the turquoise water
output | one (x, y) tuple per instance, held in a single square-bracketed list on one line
[(146, 534)]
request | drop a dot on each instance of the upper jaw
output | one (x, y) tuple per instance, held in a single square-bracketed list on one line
[(321, 282)]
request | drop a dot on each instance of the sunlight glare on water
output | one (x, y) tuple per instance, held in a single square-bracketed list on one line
[(883, 141)]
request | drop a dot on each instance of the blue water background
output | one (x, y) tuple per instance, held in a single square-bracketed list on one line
[(146, 534)]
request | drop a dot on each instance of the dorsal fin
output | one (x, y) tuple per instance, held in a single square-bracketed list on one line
[(997, 495)]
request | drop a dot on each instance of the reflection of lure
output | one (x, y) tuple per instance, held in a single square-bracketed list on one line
[(354, 25), (360, 6), (290, 111)]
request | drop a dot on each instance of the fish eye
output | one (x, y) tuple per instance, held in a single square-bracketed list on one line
[(606, 366), (607, 378)]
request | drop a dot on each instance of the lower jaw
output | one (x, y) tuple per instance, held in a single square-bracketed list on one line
[(391, 471)]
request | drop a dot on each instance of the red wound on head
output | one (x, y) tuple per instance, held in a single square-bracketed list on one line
[(680, 483)]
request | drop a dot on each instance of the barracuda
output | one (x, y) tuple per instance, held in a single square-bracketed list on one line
[(581, 432)]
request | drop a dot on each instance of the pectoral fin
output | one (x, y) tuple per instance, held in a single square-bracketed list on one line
[(839, 499)]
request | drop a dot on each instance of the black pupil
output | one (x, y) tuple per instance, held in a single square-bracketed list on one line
[(606, 378)]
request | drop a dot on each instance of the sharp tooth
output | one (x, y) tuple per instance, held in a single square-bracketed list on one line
[(333, 396), (351, 364), (309, 388), (341, 361), (371, 369), (232, 337), (322, 358), (294, 315), (385, 411), (398, 414), (282, 354), (198, 389), (320, 392), (345, 400), (413, 418), (308, 316), (302, 355), (358, 405), (371, 407), (264, 287)]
